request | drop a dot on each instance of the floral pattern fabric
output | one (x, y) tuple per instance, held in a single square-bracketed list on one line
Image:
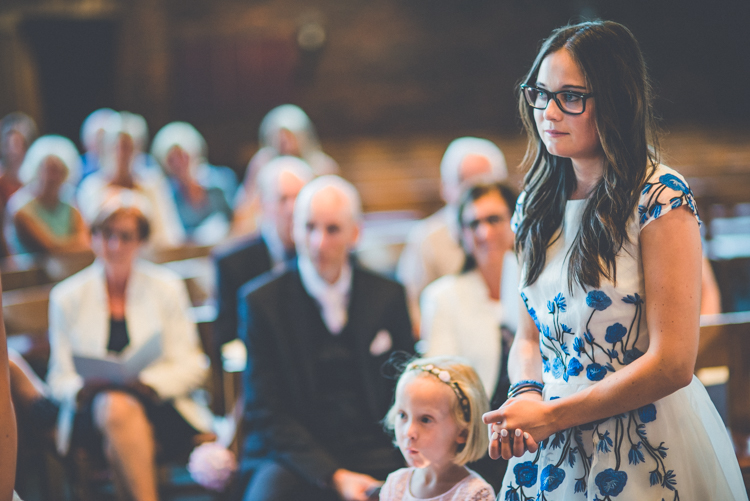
[(674, 449)]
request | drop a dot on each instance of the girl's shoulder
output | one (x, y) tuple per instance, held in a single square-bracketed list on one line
[(396, 485), (473, 488), (515, 220), (664, 190)]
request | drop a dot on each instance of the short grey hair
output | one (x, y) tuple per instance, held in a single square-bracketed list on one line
[(180, 134), (50, 146), (450, 165), (302, 205), (269, 174), (95, 122)]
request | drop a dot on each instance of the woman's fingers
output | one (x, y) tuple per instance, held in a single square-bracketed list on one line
[(506, 450), (495, 416), (518, 443), (530, 443), (494, 444)]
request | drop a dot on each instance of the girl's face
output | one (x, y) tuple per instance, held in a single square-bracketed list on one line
[(486, 229), (426, 432), (570, 136)]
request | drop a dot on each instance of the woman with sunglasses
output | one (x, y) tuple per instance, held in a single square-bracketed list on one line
[(603, 401)]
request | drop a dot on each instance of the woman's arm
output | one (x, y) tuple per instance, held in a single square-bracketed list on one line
[(671, 254), (30, 229), (8, 436)]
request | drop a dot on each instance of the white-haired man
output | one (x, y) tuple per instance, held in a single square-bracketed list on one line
[(432, 248), (280, 181), (317, 337)]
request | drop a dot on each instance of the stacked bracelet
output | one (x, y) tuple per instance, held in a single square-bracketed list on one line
[(525, 386)]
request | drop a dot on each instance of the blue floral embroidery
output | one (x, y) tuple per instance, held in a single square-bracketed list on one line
[(615, 333), (598, 300), (647, 413), (611, 482), (551, 478), (652, 207), (595, 372), (574, 366), (526, 473)]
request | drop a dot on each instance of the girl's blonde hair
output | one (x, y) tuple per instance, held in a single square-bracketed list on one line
[(449, 370)]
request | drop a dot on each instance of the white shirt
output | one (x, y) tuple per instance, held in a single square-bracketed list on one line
[(276, 249), (333, 299)]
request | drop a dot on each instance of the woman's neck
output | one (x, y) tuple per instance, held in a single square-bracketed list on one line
[(588, 172), (492, 273), (48, 200), (434, 480)]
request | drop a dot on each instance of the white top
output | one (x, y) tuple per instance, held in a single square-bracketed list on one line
[(471, 488), (459, 318), (432, 251)]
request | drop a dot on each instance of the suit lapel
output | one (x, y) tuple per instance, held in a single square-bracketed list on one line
[(304, 317), (360, 326)]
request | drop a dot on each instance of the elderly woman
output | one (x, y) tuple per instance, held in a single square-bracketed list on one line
[(42, 220), (285, 130), (115, 306), (92, 140), (123, 169), (203, 193)]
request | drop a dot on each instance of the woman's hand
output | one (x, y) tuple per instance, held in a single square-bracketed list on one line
[(518, 426)]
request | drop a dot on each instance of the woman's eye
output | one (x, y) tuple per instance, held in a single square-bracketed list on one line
[(570, 98)]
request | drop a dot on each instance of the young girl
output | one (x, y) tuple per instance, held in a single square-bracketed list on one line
[(437, 422)]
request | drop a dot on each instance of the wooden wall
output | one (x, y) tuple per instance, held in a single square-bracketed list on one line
[(360, 67)]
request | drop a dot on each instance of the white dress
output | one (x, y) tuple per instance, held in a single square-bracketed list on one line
[(676, 448)]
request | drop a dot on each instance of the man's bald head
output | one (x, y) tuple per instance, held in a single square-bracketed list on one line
[(326, 224)]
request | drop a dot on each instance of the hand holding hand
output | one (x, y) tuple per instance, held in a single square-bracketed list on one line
[(518, 426), (353, 486)]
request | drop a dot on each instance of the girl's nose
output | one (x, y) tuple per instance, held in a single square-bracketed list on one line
[(553, 112)]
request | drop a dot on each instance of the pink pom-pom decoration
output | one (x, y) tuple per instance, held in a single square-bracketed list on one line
[(212, 465)]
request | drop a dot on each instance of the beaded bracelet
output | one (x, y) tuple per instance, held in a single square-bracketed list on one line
[(525, 386)]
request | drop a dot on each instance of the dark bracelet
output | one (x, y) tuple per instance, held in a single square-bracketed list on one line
[(524, 385), (526, 390)]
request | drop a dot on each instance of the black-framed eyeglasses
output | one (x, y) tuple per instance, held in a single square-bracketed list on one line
[(572, 103)]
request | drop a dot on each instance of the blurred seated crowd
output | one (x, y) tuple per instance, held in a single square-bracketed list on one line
[(324, 336)]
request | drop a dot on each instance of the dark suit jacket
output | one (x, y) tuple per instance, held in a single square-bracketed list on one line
[(236, 264), (281, 393)]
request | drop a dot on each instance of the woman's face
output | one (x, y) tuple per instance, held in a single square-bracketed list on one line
[(124, 153), (52, 175), (178, 162), (118, 243), (486, 229), (570, 136), (287, 143)]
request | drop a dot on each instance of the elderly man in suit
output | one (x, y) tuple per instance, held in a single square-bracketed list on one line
[(280, 181), (318, 336)]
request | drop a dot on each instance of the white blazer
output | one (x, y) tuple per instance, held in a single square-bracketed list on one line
[(156, 302), (459, 318)]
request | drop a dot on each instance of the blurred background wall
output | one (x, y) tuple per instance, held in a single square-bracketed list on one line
[(358, 67)]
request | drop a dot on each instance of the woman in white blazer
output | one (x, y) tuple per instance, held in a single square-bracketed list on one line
[(462, 314), (116, 305)]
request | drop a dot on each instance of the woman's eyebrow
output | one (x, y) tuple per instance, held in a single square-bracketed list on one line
[(567, 86)]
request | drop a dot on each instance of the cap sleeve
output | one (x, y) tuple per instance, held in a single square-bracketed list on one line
[(518, 214), (666, 190)]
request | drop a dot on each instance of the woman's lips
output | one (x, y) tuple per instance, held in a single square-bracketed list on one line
[(555, 133)]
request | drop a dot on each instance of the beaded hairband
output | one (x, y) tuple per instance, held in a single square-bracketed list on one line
[(445, 377)]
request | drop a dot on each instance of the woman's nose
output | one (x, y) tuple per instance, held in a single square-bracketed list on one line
[(553, 112)]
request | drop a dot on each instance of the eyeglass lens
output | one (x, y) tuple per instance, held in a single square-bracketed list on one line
[(570, 102)]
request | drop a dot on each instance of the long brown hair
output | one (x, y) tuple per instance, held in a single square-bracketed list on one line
[(613, 67)]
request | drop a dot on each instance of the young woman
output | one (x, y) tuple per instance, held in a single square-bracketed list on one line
[(611, 269)]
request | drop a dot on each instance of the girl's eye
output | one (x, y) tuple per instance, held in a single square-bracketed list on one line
[(401, 415), (569, 97), (426, 419)]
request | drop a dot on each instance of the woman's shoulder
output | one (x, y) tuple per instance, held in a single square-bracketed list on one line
[(77, 283), (664, 190), (515, 220), (157, 273)]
